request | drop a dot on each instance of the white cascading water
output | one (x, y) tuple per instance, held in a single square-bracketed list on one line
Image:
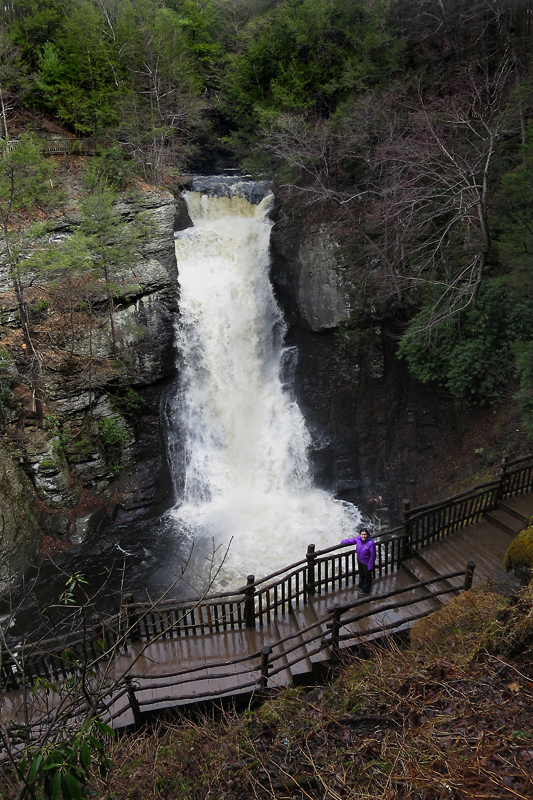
[(247, 477)]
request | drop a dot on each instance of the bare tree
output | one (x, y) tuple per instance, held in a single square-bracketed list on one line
[(56, 731), (410, 174), (437, 165)]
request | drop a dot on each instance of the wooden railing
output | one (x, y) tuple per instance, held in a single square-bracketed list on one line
[(65, 144), (256, 669), (260, 601)]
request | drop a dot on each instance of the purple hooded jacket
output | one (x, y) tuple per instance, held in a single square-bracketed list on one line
[(365, 551)]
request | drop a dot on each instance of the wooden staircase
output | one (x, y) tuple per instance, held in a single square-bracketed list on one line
[(202, 656)]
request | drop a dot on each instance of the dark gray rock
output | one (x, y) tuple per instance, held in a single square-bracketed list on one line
[(375, 430), (308, 273), (182, 219), (232, 186), (20, 530)]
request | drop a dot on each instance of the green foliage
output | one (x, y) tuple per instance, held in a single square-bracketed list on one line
[(112, 436), (75, 77), (511, 218), (38, 310), (523, 352), (308, 55), (110, 168), (111, 433), (52, 423), (111, 240), (62, 769), (471, 354), (128, 403), (25, 180), (73, 583), (37, 21), (48, 464)]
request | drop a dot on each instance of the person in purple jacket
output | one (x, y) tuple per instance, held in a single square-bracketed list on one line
[(365, 550)]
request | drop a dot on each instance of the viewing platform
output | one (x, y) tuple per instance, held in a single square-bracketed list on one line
[(285, 629)]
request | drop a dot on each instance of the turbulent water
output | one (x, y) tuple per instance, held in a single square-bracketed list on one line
[(241, 468)]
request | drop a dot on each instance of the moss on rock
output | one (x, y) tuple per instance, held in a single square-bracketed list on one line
[(519, 556), (20, 531)]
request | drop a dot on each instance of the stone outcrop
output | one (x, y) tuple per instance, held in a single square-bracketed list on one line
[(308, 273), (378, 434), (100, 453), (20, 528)]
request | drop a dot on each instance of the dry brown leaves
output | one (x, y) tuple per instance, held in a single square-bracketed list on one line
[(399, 723)]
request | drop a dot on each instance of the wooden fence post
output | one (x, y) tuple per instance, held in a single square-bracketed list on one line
[(406, 530), (134, 703), (132, 627), (469, 575), (500, 492), (310, 569), (265, 653), (335, 628), (249, 602)]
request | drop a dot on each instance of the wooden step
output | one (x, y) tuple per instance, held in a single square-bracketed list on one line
[(307, 615), (380, 617), (521, 505), (482, 543), (506, 522), (283, 678), (419, 569), (289, 625)]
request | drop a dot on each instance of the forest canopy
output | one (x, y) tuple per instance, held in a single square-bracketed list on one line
[(407, 122)]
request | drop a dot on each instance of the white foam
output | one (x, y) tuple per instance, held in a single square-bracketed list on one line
[(246, 469)]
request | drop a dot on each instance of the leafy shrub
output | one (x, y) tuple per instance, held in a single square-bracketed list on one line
[(523, 352), (128, 403), (112, 436), (471, 354), (111, 433)]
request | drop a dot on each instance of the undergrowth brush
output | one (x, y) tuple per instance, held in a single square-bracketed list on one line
[(450, 715)]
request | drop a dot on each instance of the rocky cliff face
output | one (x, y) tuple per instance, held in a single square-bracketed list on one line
[(100, 455), (378, 435)]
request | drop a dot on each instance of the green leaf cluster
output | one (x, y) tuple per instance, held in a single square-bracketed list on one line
[(62, 768), (471, 354), (112, 437)]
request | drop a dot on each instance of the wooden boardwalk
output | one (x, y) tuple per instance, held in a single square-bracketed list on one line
[(300, 639), (485, 542)]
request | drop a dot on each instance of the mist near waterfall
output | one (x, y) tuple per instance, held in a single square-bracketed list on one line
[(240, 461)]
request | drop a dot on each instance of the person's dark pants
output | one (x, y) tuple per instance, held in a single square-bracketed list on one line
[(365, 577)]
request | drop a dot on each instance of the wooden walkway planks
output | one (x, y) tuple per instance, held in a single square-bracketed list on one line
[(205, 662)]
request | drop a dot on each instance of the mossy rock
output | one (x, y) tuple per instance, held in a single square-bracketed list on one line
[(519, 556), (20, 532)]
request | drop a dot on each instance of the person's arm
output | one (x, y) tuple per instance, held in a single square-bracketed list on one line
[(350, 541), (372, 550)]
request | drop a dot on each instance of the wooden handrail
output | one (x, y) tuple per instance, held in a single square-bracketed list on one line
[(450, 500), (282, 659), (519, 460), (264, 598)]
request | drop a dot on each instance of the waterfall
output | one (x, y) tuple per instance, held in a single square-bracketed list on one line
[(241, 470)]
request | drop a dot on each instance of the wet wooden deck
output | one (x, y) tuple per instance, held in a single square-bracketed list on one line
[(205, 663)]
